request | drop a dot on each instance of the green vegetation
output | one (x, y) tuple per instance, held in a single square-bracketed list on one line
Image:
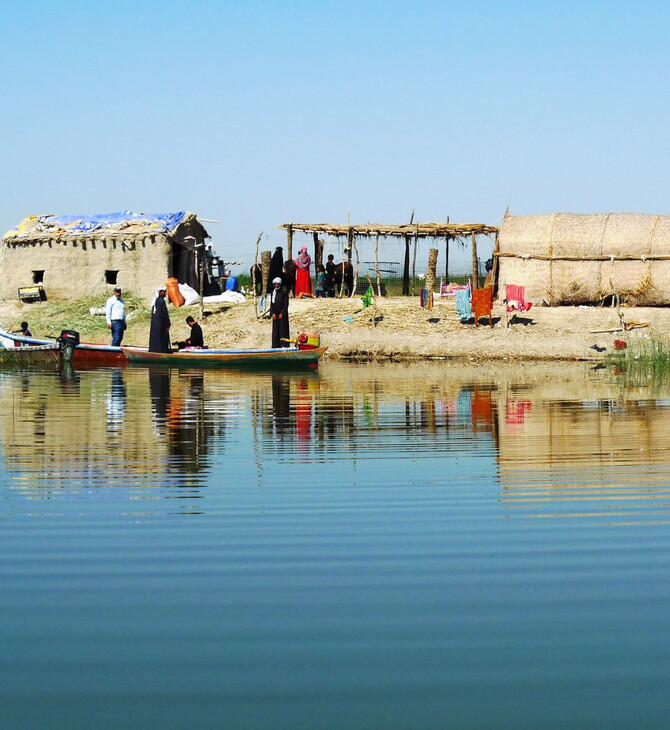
[(641, 361), (47, 319)]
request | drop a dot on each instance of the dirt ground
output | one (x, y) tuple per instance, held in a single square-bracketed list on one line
[(397, 328)]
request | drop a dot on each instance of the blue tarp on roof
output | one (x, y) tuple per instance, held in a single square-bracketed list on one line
[(166, 221)]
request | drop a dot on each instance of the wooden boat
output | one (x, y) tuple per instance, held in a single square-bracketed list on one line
[(278, 357), (84, 354), (28, 356)]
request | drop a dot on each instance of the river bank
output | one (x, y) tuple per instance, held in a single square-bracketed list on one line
[(396, 328)]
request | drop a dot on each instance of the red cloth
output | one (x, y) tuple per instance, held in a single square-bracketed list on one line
[(303, 284), (482, 303), (516, 298)]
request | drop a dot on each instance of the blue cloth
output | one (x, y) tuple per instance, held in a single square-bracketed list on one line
[(463, 304), (118, 328), (166, 221)]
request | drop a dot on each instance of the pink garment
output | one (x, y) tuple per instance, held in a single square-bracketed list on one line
[(303, 284), (303, 259), (516, 298)]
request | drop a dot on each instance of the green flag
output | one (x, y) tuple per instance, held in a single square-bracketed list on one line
[(367, 297)]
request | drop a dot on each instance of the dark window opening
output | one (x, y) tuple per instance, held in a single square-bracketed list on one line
[(111, 276), (38, 277)]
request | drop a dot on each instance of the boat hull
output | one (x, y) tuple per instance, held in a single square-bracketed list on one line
[(280, 357), (85, 354), (25, 356)]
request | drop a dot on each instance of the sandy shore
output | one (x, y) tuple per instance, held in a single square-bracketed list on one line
[(403, 330)]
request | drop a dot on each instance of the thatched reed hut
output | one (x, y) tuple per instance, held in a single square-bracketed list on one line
[(81, 256), (563, 258)]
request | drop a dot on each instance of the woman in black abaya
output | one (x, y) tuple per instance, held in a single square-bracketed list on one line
[(279, 312), (159, 335)]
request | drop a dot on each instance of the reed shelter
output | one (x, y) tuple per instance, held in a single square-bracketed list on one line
[(409, 232)]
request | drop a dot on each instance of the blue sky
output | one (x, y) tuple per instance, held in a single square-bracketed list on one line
[(260, 113)]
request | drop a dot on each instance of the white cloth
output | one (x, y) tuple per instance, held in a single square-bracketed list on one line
[(190, 295), (229, 297), (115, 309)]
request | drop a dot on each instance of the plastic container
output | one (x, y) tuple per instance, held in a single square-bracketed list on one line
[(231, 283), (308, 340), (175, 295)]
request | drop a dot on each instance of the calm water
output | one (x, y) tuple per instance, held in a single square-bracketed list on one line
[(364, 547)]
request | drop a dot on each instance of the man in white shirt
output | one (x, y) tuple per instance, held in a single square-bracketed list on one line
[(115, 311)]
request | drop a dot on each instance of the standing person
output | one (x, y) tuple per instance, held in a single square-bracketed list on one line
[(330, 276), (276, 268), (303, 284), (195, 339), (320, 289), (115, 312), (279, 312), (159, 335)]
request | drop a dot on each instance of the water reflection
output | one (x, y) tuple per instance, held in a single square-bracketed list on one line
[(562, 441)]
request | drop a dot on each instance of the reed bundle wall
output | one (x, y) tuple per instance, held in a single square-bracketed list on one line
[(564, 258)]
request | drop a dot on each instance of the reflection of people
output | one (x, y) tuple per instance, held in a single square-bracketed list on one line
[(330, 276), (279, 312), (159, 388), (281, 404), (159, 335), (303, 284), (115, 312), (195, 339), (116, 403)]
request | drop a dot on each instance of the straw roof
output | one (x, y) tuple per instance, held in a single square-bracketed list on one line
[(419, 230), (125, 223), (566, 258)]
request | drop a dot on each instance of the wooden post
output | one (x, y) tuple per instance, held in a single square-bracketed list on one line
[(201, 276), (289, 243), (432, 266), (266, 256), (379, 284), (446, 259), (475, 263), (350, 237), (494, 270), (353, 289), (416, 241), (405, 271), (318, 250), (253, 272)]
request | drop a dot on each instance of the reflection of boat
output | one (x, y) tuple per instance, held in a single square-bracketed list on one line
[(278, 357), (83, 353)]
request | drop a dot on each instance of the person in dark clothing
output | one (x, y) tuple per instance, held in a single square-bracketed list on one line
[(330, 276), (276, 268), (24, 330), (159, 334), (196, 339), (279, 312)]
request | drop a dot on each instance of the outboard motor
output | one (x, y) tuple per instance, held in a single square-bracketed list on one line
[(68, 340)]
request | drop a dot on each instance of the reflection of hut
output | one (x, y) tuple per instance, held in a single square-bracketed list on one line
[(87, 254), (564, 258), (601, 457)]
